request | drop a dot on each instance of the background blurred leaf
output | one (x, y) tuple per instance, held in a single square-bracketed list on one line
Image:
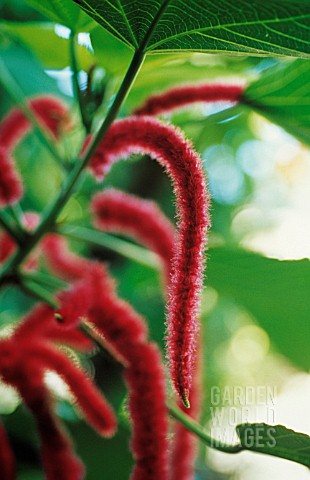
[(275, 440), (282, 94), (65, 13), (25, 68), (49, 48), (246, 27), (275, 292)]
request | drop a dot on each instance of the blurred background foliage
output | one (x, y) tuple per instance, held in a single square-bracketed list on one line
[(255, 311)]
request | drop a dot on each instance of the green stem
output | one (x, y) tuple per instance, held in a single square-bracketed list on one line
[(44, 279), (194, 427), (131, 74), (75, 81), (52, 213), (16, 233), (124, 248), (38, 292), (11, 86), (18, 215)]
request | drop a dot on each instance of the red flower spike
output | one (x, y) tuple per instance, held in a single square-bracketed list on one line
[(51, 111), (145, 381), (7, 461), (11, 189), (119, 212), (60, 260), (188, 94), (148, 136), (94, 407), (59, 460), (124, 333)]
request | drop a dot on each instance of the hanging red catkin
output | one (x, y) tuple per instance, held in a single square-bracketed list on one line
[(94, 407), (124, 333), (162, 142), (52, 112), (142, 220), (54, 116), (7, 461), (188, 94), (119, 212), (58, 457), (60, 260)]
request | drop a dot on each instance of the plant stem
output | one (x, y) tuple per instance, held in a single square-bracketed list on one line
[(75, 82), (37, 291), (18, 215), (52, 213), (44, 279), (194, 427), (10, 85), (128, 250), (16, 233)]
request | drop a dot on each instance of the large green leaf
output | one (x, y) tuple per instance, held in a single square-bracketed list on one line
[(277, 27), (275, 440), (63, 12), (52, 50), (282, 94), (276, 292)]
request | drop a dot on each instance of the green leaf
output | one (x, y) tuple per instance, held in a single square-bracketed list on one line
[(19, 60), (63, 12), (256, 27), (275, 440), (52, 50), (275, 292), (282, 95)]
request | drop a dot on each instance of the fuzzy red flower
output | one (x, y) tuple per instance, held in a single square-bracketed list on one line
[(124, 333), (183, 165), (60, 260), (52, 112), (188, 94), (119, 212), (54, 116), (25, 357)]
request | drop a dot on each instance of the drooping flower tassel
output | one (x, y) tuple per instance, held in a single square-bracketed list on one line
[(119, 212), (188, 94), (60, 260), (58, 457), (124, 333), (148, 136), (52, 112)]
